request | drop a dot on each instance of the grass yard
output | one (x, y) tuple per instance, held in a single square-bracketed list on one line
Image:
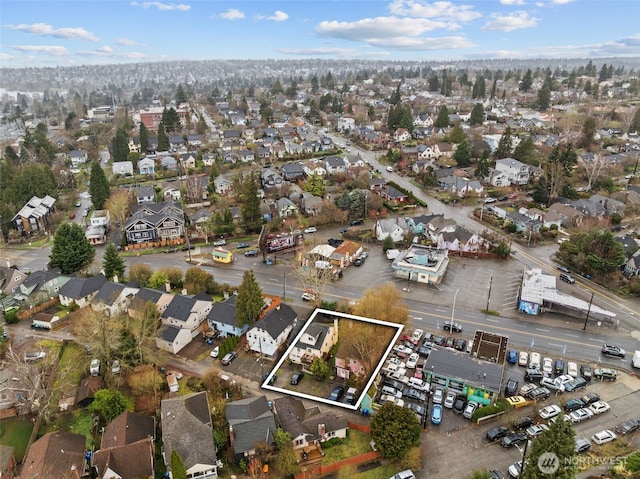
[(15, 432), (382, 472), (356, 443)]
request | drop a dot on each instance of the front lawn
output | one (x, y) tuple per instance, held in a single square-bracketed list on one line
[(356, 443), (15, 432)]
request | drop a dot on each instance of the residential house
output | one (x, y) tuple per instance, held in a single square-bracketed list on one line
[(187, 428), (523, 223), (10, 279), (251, 422), (145, 194), (222, 317), (497, 178), (168, 162), (444, 149), (246, 155), (150, 222), (223, 184), (393, 195), (81, 291), (427, 152), (355, 162), (310, 204), (632, 265), (113, 298), (19, 387), (146, 166), (308, 427), (194, 139), (58, 454), (188, 160), (423, 120), (401, 134), (35, 216), (336, 164), (39, 286), (418, 224), (78, 157), (176, 142), (569, 216), (186, 313), (345, 254), (422, 264), (172, 338), (314, 167), (271, 332), (171, 192), (101, 219), (208, 159), (315, 342), (325, 144), (134, 144), (127, 448), (124, 168), (144, 296), (517, 171), (292, 171), (270, 178), (396, 228), (457, 238), (610, 205), (346, 123), (286, 208)]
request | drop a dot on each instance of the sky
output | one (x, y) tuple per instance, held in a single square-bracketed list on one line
[(68, 33)]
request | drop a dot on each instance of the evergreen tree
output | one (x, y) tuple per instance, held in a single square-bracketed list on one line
[(181, 96), (588, 131), (558, 447), (482, 167), (395, 98), (251, 215), (442, 120), (525, 151), (462, 155), (163, 139), (477, 115), (178, 471), (456, 135), (112, 263), (395, 430), (544, 98), (108, 404), (505, 145), (314, 84), (71, 251), (250, 301), (171, 120), (98, 186), (493, 89), (635, 122), (434, 82), (120, 145), (144, 138), (527, 81)]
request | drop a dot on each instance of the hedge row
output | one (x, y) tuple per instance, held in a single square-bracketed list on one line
[(228, 345)]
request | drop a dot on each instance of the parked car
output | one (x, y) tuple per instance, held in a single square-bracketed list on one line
[(511, 389), (407, 474), (449, 342), (615, 351), (497, 433), (471, 407), (599, 407), (336, 394), (580, 415), (572, 369), (564, 269), (215, 352), (310, 229), (533, 374), (522, 423), (604, 437), (296, 378), (243, 245), (412, 362), (586, 372), (251, 252), (567, 277), (523, 359), (590, 398), (547, 365), (534, 360), (356, 222), (582, 445), (436, 414), (514, 469), (536, 430), (558, 367), (573, 405), (512, 356), (459, 405), (539, 394), (229, 357), (513, 439), (527, 388), (628, 427), (605, 374), (115, 366), (438, 396), (575, 385), (416, 336), (452, 326), (460, 344), (359, 261), (450, 399), (414, 394), (350, 396), (548, 412), (309, 296), (94, 367), (220, 243)]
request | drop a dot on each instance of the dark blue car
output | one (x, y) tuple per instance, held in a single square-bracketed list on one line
[(512, 357)]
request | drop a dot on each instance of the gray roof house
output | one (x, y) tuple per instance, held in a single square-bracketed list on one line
[(145, 194), (172, 338), (185, 312), (35, 215), (267, 335), (222, 317), (251, 421), (395, 227), (188, 429), (286, 207), (292, 171), (81, 290), (112, 298)]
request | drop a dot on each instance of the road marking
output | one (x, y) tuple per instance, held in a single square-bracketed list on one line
[(492, 320), (543, 330), (572, 335), (556, 345)]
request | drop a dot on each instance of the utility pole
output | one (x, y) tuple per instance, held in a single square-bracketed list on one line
[(489, 293), (588, 311), (284, 285), (453, 311)]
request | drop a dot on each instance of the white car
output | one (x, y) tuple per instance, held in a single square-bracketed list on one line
[(564, 379), (220, 243), (402, 349), (547, 365), (523, 359), (416, 336), (580, 415), (450, 399), (412, 362), (215, 352), (604, 437), (94, 367), (438, 396), (548, 412), (310, 229), (392, 400), (514, 469), (536, 430), (534, 360), (599, 407), (527, 388), (572, 369), (115, 367)]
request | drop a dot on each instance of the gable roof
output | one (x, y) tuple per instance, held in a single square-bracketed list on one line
[(128, 462), (77, 288), (277, 320), (108, 293), (224, 311), (58, 454), (298, 421), (127, 428), (187, 428), (179, 308), (252, 421)]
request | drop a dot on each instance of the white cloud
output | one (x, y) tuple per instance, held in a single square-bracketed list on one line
[(45, 29), (5, 57), (232, 14), (369, 29), (125, 42), (332, 52), (513, 2), (561, 2), (508, 23), (440, 10), (278, 16), (424, 44), (181, 7), (48, 49), (133, 55), (104, 50)]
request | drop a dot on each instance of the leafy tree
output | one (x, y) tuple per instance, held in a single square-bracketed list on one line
[(141, 273), (502, 249), (197, 280), (482, 166), (118, 205), (109, 404), (286, 462), (505, 145), (477, 115), (99, 186), (388, 244), (384, 303), (144, 138), (137, 342), (559, 440), (525, 151), (250, 301), (71, 251), (319, 368), (147, 382), (178, 471), (557, 171), (593, 251), (456, 135), (158, 280), (251, 215), (120, 145), (442, 120), (462, 155), (163, 139), (395, 430), (315, 185), (112, 263), (493, 89)]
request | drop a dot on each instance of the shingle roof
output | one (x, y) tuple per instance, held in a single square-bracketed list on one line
[(169, 332), (297, 420), (108, 293), (224, 311), (58, 454), (127, 428), (179, 308), (77, 288), (129, 462), (277, 320)]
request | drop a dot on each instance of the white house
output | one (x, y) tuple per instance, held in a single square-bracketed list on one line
[(272, 331), (517, 171), (315, 342), (78, 157), (394, 227), (146, 166), (346, 123), (186, 313), (498, 178), (223, 185), (172, 338), (101, 218), (124, 168)]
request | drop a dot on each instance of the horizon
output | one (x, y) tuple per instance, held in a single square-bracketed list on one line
[(74, 33)]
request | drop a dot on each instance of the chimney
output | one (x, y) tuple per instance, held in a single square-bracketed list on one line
[(115, 278), (321, 430), (167, 287)]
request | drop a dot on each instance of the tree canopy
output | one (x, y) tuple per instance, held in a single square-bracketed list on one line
[(250, 301), (592, 251), (442, 120), (109, 404), (71, 251), (558, 442), (98, 186), (251, 215), (395, 430), (384, 303)]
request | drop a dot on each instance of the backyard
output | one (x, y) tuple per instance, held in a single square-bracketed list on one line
[(15, 432)]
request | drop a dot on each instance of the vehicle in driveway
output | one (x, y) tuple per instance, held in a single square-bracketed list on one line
[(471, 407), (582, 445), (450, 399), (310, 229), (336, 394), (296, 378), (511, 389), (512, 439), (436, 414), (459, 405), (603, 437), (406, 474), (229, 357), (497, 433), (350, 396), (438, 396), (94, 367)]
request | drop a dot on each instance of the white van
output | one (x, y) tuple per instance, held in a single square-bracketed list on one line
[(390, 169), (419, 384)]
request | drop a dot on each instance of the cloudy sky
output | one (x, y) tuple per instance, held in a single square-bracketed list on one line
[(67, 32)]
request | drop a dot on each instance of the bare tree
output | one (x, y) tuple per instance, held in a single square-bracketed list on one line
[(118, 205), (593, 169), (99, 332), (314, 273)]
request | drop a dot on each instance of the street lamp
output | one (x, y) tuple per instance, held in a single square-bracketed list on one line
[(588, 311), (453, 310)]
